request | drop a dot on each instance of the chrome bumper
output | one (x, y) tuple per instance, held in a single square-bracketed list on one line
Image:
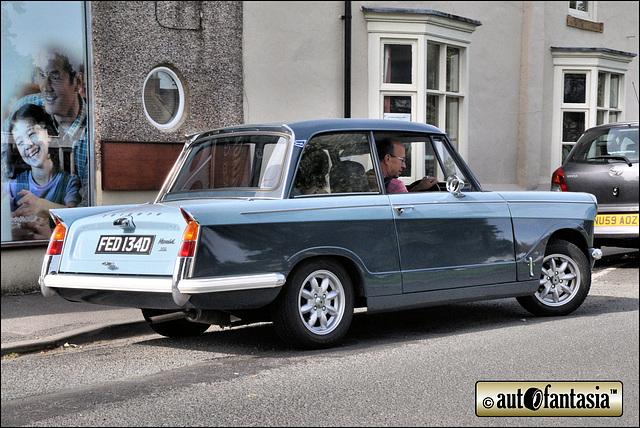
[(181, 291), (595, 254)]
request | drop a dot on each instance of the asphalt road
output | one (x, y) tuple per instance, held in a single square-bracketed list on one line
[(412, 368)]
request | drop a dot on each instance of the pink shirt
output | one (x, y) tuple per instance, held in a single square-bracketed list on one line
[(395, 185)]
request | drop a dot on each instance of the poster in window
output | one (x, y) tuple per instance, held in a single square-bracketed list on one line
[(397, 107), (45, 150)]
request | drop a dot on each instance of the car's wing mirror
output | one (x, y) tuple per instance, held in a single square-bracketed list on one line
[(455, 185)]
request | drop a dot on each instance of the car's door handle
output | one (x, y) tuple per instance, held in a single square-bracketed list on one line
[(401, 208)]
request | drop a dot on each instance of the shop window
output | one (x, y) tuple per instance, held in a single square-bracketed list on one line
[(47, 147)]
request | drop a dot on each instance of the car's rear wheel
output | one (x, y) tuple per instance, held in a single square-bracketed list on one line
[(174, 328), (565, 281), (315, 308)]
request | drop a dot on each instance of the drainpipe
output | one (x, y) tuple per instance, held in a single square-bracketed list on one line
[(347, 58)]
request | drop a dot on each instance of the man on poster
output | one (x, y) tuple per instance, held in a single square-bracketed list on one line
[(60, 85)]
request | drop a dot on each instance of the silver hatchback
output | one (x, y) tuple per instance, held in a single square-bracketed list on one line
[(604, 162)]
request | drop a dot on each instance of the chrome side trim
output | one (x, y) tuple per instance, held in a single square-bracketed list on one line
[(232, 283), (292, 210), (559, 201)]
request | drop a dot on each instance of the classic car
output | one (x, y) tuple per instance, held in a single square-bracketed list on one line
[(604, 162), (291, 223)]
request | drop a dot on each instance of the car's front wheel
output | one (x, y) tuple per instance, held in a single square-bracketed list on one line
[(315, 308), (174, 328), (564, 281)]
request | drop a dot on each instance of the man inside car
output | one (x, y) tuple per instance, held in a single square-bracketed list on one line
[(391, 154)]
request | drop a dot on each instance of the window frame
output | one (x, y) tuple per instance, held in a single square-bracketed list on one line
[(589, 15), (179, 115), (607, 109), (419, 28), (592, 62)]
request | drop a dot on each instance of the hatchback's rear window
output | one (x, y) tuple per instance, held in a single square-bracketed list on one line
[(606, 145)]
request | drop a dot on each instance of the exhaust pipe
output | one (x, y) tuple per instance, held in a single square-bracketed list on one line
[(194, 315), (169, 317)]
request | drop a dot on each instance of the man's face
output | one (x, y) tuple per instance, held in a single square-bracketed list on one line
[(396, 164), (59, 91)]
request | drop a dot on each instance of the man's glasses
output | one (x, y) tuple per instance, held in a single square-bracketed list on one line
[(398, 157)]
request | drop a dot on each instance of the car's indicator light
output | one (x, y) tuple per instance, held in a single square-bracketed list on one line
[(189, 236), (188, 246), (57, 239), (558, 182)]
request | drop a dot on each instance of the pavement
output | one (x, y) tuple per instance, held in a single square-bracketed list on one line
[(33, 323)]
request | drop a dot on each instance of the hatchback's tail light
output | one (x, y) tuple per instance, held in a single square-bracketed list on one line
[(558, 182), (189, 236), (57, 239)]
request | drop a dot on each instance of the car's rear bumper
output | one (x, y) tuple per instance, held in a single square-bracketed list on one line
[(161, 287), (616, 233)]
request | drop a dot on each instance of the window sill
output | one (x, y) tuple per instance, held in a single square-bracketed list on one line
[(584, 24)]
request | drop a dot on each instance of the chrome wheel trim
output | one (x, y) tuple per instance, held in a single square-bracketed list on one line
[(560, 280), (321, 302)]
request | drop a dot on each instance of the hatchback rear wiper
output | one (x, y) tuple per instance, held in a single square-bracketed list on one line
[(622, 158)]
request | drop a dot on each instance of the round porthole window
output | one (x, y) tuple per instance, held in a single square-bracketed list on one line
[(163, 98)]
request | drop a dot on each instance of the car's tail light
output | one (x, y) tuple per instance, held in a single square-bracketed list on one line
[(189, 236), (558, 182), (57, 239)]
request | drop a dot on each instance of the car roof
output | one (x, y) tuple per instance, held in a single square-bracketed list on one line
[(306, 129), (303, 130), (615, 125)]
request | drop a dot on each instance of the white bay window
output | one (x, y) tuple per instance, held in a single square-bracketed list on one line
[(588, 91), (418, 68)]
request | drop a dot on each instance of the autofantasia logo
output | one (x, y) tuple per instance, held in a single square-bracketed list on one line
[(580, 398)]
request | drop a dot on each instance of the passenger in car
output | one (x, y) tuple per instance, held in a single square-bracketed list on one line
[(312, 173), (348, 177), (391, 154)]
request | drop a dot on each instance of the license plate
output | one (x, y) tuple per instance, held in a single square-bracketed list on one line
[(617, 220), (125, 244)]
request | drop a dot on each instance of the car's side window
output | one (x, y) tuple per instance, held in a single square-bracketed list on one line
[(425, 155), (336, 164)]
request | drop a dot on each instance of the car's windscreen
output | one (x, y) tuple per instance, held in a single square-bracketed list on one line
[(246, 162), (607, 145)]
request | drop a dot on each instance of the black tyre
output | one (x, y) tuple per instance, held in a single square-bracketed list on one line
[(175, 328), (315, 308), (565, 281)]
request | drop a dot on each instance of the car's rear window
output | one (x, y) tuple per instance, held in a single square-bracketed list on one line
[(240, 162), (605, 145)]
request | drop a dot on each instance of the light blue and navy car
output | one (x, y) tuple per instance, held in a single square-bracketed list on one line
[(291, 223)]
